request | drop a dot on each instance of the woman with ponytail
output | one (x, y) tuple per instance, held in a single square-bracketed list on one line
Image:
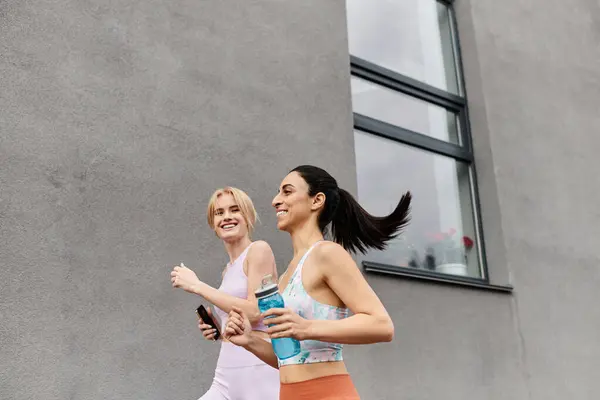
[(322, 286)]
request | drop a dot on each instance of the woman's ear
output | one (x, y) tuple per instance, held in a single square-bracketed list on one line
[(318, 201)]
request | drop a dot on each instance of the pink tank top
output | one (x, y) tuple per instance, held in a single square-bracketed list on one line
[(235, 283)]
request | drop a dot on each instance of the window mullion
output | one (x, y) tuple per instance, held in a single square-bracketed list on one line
[(395, 81), (370, 125)]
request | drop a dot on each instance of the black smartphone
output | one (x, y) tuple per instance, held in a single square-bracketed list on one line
[(203, 315)]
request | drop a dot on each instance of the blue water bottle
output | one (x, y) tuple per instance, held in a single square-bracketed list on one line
[(268, 297)]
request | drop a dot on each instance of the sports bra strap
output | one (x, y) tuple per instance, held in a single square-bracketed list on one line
[(301, 262)]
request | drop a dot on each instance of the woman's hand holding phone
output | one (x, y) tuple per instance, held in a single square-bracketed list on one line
[(205, 319), (207, 331)]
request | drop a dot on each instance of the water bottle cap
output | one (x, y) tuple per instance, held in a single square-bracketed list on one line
[(267, 288), (266, 280)]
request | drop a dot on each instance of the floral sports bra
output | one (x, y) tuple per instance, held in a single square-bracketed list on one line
[(298, 300)]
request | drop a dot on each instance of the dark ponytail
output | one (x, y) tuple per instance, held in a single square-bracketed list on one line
[(351, 225)]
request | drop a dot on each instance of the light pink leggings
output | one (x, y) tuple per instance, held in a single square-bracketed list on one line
[(259, 382)]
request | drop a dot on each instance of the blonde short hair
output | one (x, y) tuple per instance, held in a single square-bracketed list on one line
[(241, 199)]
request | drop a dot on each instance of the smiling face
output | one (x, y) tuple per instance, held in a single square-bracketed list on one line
[(293, 204), (229, 222), (231, 214)]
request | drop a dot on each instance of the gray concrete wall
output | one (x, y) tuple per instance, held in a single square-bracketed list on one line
[(117, 120), (533, 70)]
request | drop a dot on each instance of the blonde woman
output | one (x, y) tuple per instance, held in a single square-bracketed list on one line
[(239, 374)]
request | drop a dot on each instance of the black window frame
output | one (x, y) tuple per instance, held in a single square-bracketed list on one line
[(463, 152)]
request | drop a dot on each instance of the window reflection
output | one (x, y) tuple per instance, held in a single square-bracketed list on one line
[(441, 235), (378, 102), (412, 37)]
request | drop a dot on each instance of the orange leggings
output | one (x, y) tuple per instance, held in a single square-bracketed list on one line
[(334, 387)]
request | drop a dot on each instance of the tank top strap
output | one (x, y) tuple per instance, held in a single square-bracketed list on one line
[(245, 252), (238, 263)]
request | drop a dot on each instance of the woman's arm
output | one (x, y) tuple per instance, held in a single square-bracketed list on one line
[(263, 350), (260, 262), (239, 332), (370, 322)]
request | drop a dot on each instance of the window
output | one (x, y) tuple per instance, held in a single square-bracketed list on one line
[(412, 133)]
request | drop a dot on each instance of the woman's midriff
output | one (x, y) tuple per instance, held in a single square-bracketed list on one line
[(305, 372)]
